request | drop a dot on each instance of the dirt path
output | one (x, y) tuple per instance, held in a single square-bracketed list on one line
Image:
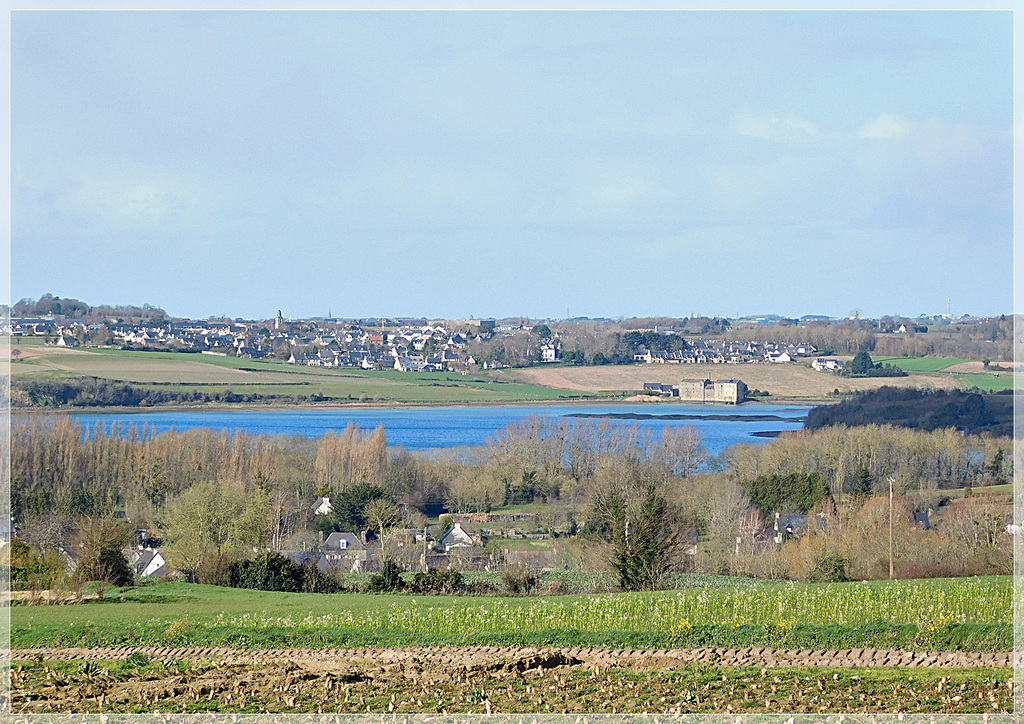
[(510, 658)]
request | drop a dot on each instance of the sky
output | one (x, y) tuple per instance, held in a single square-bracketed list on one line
[(492, 164)]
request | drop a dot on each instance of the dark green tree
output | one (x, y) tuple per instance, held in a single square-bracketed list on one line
[(645, 548), (862, 482), (349, 509), (861, 363), (787, 492)]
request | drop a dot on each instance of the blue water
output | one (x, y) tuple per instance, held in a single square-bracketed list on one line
[(423, 428)]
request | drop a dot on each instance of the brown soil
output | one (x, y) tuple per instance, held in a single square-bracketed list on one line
[(490, 657), (781, 380), (492, 679), (1006, 367)]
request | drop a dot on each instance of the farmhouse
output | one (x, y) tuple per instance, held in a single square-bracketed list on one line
[(826, 364)]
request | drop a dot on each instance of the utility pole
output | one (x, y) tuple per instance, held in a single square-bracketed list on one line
[(891, 481)]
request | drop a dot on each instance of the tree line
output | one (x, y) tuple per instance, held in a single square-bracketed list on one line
[(637, 499)]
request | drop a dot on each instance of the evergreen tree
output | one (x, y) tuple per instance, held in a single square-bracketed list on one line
[(646, 547), (862, 482), (862, 363)]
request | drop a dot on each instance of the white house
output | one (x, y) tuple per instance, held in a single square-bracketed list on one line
[(824, 364), (322, 506), (457, 537), (145, 562)]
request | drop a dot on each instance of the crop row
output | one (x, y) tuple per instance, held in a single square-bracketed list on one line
[(925, 605)]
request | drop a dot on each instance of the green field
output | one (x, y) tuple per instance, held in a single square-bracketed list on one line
[(920, 364), (974, 614), (934, 366), (987, 381), (215, 374)]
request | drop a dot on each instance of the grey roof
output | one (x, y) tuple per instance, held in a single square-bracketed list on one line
[(792, 523), (334, 540), (301, 558), (142, 560)]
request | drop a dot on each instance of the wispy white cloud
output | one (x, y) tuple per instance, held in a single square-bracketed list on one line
[(787, 127), (888, 126)]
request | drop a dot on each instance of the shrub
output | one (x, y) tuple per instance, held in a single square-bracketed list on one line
[(518, 581), (388, 580), (316, 581), (438, 581), (830, 569), (266, 572)]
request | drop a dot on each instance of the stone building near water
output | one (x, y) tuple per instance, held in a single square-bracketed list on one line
[(730, 392)]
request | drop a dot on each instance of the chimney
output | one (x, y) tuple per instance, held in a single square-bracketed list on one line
[(362, 536)]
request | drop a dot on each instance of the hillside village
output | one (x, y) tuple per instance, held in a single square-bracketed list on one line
[(403, 347), (422, 345)]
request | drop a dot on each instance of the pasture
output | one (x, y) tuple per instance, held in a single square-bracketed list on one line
[(964, 373)]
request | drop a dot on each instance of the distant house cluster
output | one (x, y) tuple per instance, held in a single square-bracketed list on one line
[(712, 351), (729, 392), (326, 343)]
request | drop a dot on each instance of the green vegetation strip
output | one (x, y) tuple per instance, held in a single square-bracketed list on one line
[(965, 614)]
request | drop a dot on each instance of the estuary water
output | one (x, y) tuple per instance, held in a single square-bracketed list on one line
[(423, 428)]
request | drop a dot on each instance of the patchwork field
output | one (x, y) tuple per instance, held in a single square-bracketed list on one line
[(913, 646), (210, 374), (964, 373)]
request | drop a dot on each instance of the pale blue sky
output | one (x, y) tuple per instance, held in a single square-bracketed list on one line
[(450, 164)]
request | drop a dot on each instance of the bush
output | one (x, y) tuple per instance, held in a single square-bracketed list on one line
[(831, 569), (273, 572), (316, 581), (389, 580), (108, 566), (438, 581), (518, 581), (266, 572), (30, 571)]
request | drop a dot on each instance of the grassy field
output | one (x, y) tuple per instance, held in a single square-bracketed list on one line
[(213, 373), (920, 364), (945, 368), (971, 614), (987, 381)]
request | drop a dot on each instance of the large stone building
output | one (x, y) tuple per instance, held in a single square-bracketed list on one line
[(731, 392)]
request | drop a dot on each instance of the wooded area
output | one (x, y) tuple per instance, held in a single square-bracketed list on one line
[(215, 498)]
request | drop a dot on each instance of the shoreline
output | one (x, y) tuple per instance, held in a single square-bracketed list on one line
[(280, 407)]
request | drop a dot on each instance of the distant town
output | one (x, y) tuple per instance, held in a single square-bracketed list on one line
[(421, 345)]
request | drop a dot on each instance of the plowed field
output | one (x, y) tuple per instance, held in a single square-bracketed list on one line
[(507, 680), (782, 380)]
